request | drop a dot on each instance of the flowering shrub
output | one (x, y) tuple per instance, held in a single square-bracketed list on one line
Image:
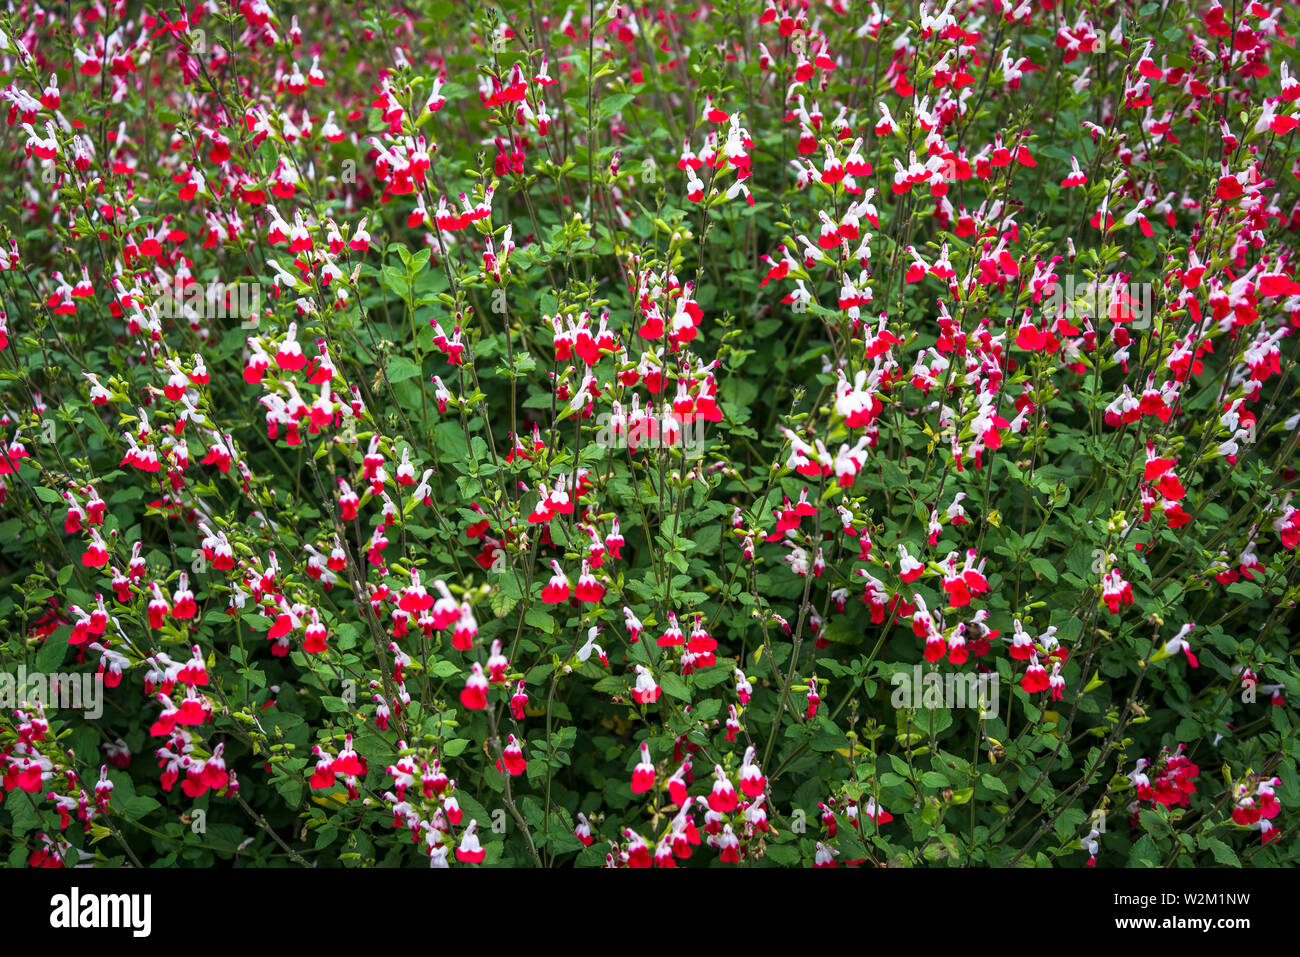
[(771, 432)]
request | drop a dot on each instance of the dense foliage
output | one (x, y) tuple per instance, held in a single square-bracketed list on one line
[(766, 432)]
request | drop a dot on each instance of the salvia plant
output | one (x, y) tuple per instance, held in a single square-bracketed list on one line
[(734, 433)]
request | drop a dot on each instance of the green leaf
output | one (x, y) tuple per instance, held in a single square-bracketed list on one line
[(535, 618), (401, 368), (786, 855), (674, 686), (609, 105), (1043, 567), (19, 804), (721, 672), (1223, 854), (1144, 853), (51, 655), (993, 784), (138, 807)]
